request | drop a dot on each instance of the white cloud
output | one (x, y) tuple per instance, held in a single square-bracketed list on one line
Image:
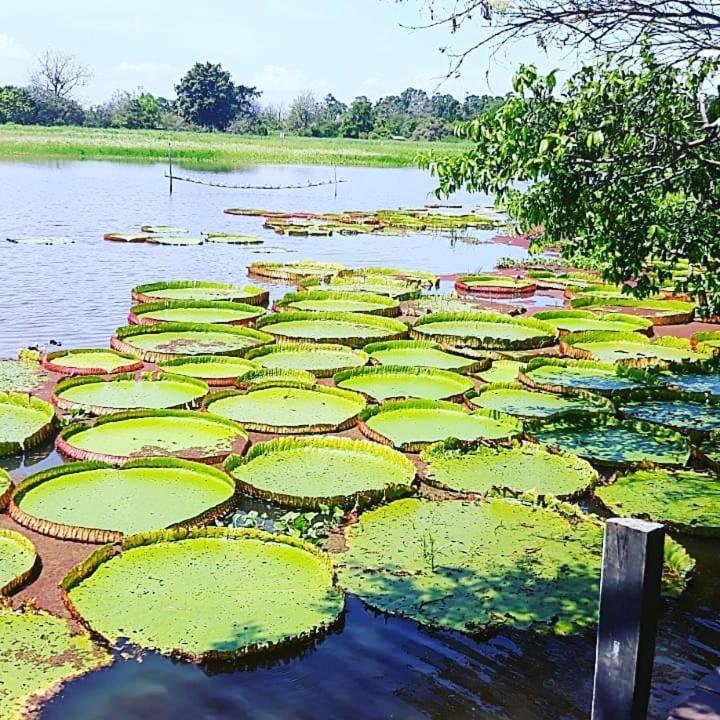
[(280, 84), (10, 49), (144, 68)]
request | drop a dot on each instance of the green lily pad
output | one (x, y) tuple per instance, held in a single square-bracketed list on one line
[(20, 376), (91, 361), (586, 321), (289, 408), (328, 301), (231, 239), (195, 311), (322, 360), (475, 567), (614, 443), (429, 304), (198, 290), (163, 229), (660, 311), (487, 331), (100, 396), (411, 425), (353, 329), (294, 271), (391, 381), (709, 340), (494, 285), (94, 502), (426, 279), (309, 472), (421, 353), (212, 369), (371, 284), (555, 375), (6, 488), (232, 592), (519, 468), (707, 383), (25, 422), (153, 433), (685, 412), (167, 341), (127, 237), (38, 653), (17, 561), (515, 399), (40, 240), (268, 377), (178, 240), (501, 371), (687, 501)]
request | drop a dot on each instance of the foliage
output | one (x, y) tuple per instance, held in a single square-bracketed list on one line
[(314, 526), (358, 121), (138, 111)]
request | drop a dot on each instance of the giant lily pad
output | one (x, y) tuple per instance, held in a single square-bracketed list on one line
[(488, 331), (100, 396), (294, 271), (659, 311), (515, 399), (167, 341), (708, 340), (322, 359), (411, 425), (17, 561), (40, 240), (20, 376), (177, 240), (163, 229), (421, 353), (328, 301), (372, 284), (38, 653), (6, 488), (216, 370), (614, 443), (707, 382), (426, 279), (127, 237), (198, 290), (478, 566), (309, 472), (353, 329), (95, 502), (495, 285), (232, 592), (587, 321), (392, 381), (556, 375), (687, 501), (91, 361), (233, 239), (502, 371), (267, 377), (153, 433), (631, 349), (429, 304), (195, 311), (289, 408), (518, 468), (25, 422)]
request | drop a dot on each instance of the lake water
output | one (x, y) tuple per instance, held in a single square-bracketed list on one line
[(373, 666)]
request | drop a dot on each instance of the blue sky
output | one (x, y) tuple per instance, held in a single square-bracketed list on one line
[(284, 47)]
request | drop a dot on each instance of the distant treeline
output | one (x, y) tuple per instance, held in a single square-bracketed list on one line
[(208, 99)]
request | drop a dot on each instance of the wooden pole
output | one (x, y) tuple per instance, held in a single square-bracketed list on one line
[(170, 167), (629, 605)]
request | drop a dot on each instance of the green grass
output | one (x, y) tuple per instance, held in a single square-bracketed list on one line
[(217, 150)]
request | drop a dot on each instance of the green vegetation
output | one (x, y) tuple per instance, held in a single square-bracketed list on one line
[(294, 271), (421, 353), (585, 320), (328, 301), (195, 311), (199, 291), (691, 413), (322, 360), (20, 376), (25, 421), (211, 369), (269, 377), (502, 371), (707, 383), (91, 361), (17, 560)]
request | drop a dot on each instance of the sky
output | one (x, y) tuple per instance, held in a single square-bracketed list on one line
[(283, 47)]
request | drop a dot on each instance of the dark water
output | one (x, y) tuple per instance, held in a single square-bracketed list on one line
[(372, 666)]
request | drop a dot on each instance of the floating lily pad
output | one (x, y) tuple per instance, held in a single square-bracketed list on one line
[(421, 353), (614, 443), (370, 284), (233, 239), (232, 592), (474, 567), (127, 237), (91, 361), (353, 329), (487, 331), (709, 340), (501, 371), (153, 433), (6, 488), (517, 400), (631, 349), (586, 321), (708, 383), (95, 502), (660, 311), (328, 301), (17, 562), (294, 271), (177, 240), (25, 422), (428, 304), (686, 412), (411, 425), (167, 341), (391, 381), (198, 290), (40, 240), (163, 229), (421, 277), (322, 360), (309, 472), (269, 377), (215, 370), (687, 501), (494, 285), (556, 375), (289, 408), (20, 376), (38, 653), (101, 396), (518, 468), (195, 311)]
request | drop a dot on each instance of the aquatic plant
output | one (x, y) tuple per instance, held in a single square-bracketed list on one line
[(267, 377), (91, 361), (501, 371), (20, 376), (294, 271), (321, 359), (195, 311), (17, 561), (586, 320), (495, 285), (329, 301), (421, 353), (25, 422), (215, 370), (660, 311), (198, 290)]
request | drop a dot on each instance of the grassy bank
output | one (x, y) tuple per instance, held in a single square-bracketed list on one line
[(211, 149)]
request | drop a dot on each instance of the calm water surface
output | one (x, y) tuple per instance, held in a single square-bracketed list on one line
[(373, 666)]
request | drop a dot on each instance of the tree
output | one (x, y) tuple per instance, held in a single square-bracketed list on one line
[(445, 108), (17, 105), (474, 105), (415, 102), (358, 121), (58, 74), (49, 109), (622, 166), (303, 113), (207, 96), (141, 111)]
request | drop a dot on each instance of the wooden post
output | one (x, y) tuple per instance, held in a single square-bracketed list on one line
[(170, 173), (629, 603)]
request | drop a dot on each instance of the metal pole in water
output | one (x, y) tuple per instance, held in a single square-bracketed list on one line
[(629, 603), (170, 173)]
